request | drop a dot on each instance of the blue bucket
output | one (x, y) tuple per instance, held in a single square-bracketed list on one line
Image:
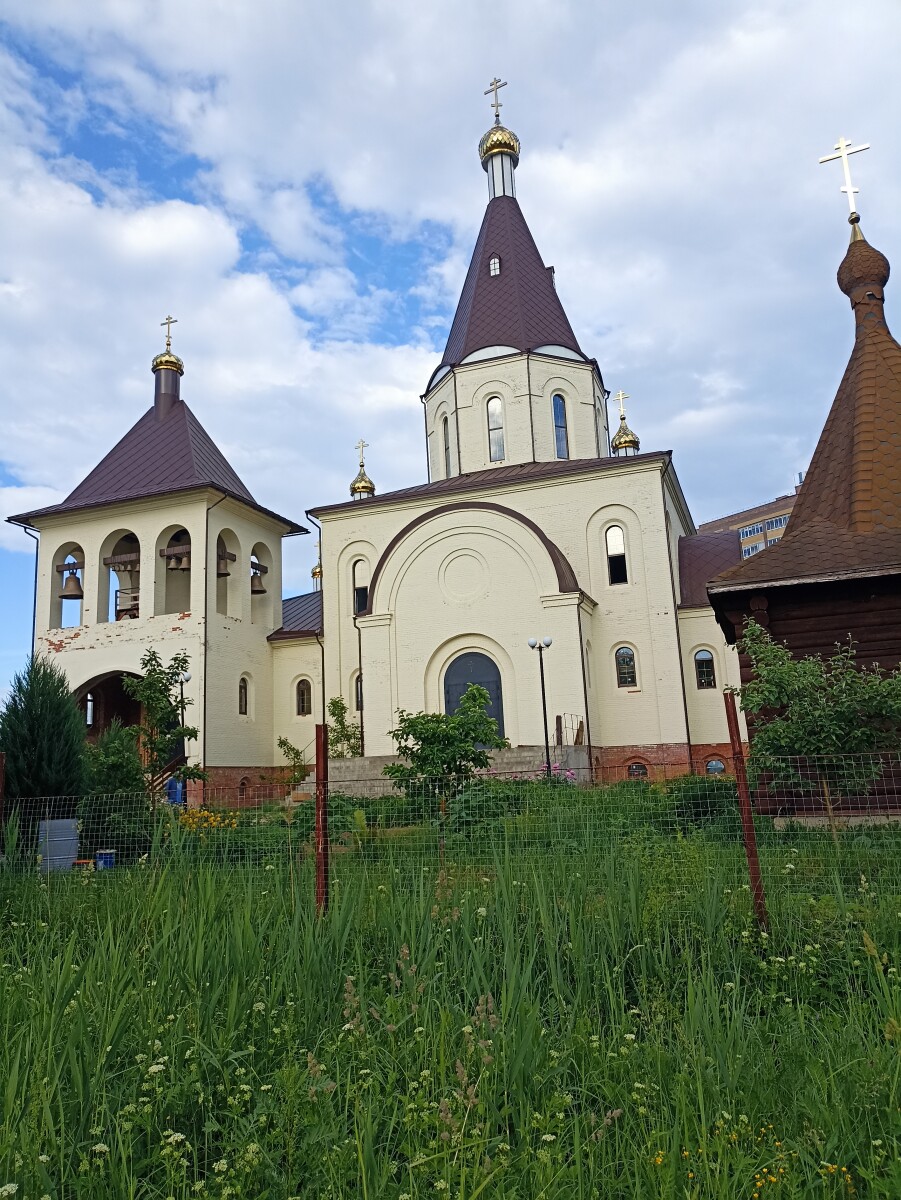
[(104, 860)]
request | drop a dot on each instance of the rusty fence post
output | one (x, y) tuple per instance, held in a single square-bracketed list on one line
[(321, 819), (747, 815)]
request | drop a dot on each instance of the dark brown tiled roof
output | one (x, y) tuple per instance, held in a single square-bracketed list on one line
[(301, 617), (701, 558), (498, 477), (519, 307), (847, 518), (158, 456)]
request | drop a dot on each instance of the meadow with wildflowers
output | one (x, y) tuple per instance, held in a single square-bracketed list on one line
[(530, 1018)]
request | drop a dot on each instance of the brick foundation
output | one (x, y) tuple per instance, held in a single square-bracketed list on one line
[(241, 787)]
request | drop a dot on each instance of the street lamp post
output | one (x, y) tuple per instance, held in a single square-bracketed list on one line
[(544, 644), (184, 677)]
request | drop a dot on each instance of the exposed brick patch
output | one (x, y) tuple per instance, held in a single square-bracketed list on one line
[(241, 787)]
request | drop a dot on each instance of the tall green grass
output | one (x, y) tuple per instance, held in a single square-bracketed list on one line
[(601, 1023)]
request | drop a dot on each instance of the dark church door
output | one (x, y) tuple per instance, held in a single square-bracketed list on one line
[(478, 669)]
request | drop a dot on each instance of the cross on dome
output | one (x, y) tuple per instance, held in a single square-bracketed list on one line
[(361, 446), (169, 322), (495, 87), (620, 399), (844, 148)]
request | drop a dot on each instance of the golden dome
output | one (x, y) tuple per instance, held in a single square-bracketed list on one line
[(168, 360), (499, 140), (624, 438), (316, 573), (362, 485)]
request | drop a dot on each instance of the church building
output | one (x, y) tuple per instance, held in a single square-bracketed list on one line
[(533, 522)]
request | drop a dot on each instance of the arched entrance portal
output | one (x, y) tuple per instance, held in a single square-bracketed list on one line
[(103, 700), (478, 669)]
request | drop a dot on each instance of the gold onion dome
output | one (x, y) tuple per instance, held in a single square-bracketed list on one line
[(362, 485), (169, 361), (499, 140), (316, 573), (624, 438)]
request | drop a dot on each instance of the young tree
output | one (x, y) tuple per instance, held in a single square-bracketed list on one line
[(444, 749), (821, 722), (115, 811), (344, 737), (42, 733), (298, 769), (162, 730)]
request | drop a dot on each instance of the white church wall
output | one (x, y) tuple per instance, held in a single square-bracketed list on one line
[(706, 713), (293, 661)]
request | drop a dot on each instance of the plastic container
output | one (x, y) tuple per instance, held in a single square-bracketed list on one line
[(104, 860), (58, 843)]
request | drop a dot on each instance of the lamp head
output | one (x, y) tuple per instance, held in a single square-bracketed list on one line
[(533, 642), (546, 642), (185, 677)]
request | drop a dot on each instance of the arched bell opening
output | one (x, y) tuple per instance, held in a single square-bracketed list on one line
[(228, 597), (260, 584), (174, 563), (103, 700), (119, 590), (67, 587)]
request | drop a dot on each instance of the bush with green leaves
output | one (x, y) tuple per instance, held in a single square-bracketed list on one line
[(42, 734), (345, 738), (700, 800), (115, 814)]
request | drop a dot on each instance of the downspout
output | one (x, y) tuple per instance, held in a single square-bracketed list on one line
[(360, 684), (425, 425), (206, 617), (531, 415), (584, 687), (672, 579)]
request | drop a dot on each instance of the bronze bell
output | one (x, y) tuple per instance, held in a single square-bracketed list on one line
[(185, 564), (172, 564), (222, 571), (72, 589), (256, 585)]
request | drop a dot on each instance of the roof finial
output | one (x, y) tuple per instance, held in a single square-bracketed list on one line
[(362, 485), (169, 322), (624, 441), (495, 87), (844, 148)]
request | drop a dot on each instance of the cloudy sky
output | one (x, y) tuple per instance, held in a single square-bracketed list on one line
[(298, 184)]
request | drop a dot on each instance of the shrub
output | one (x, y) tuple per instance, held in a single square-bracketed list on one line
[(115, 814), (702, 799)]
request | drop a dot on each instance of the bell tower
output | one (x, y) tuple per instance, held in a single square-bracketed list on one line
[(513, 385)]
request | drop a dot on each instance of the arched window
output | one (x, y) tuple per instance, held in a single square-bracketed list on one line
[(89, 709), (626, 675), (494, 265), (495, 429), (242, 697), (616, 555), (705, 672), (637, 770), (304, 698), (561, 437), (360, 584), (445, 434), (242, 789), (358, 692), (716, 766), (588, 663)]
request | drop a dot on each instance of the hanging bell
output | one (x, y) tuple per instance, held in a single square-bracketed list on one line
[(72, 589), (185, 563), (172, 564), (222, 571), (256, 585)]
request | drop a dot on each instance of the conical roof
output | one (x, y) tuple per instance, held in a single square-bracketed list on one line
[(847, 519), (517, 306), (159, 454)]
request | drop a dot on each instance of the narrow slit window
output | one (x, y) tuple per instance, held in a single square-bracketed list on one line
[(495, 429), (561, 437), (616, 555), (304, 698), (358, 693), (445, 434), (494, 265), (242, 697), (626, 675), (705, 672)]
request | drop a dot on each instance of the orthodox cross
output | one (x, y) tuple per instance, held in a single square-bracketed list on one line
[(844, 148), (169, 322), (495, 87), (620, 399), (318, 546), (361, 446)]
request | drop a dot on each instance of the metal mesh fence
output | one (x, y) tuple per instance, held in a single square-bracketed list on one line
[(826, 827)]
